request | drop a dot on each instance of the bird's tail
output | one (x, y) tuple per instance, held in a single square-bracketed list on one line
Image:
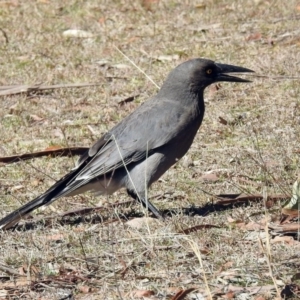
[(49, 196)]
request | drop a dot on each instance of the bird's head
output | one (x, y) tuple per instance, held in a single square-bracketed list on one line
[(196, 74)]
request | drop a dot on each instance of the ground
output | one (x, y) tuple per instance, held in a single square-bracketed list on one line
[(248, 143)]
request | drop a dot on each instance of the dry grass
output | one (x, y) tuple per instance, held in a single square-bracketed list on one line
[(257, 154)]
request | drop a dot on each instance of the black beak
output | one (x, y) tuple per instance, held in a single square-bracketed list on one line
[(223, 69)]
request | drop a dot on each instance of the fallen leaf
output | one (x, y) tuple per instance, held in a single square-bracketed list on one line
[(223, 121), (286, 228), (236, 222), (182, 294), (148, 4), (139, 223), (36, 118), (173, 289), (77, 33), (200, 6), (120, 66), (254, 226), (55, 237), (36, 182), (84, 289), (142, 293), (293, 213), (14, 3), (253, 37), (127, 100), (17, 188), (212, 177), (226, 266), (167, 57), (23, 270), (229, 295), (283, 239), (101, 20)]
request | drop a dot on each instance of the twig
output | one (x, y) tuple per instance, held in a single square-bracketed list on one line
[(19, 89), (10, 271), (54, 152)]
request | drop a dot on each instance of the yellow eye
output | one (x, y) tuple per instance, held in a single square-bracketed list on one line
[(209, 71)]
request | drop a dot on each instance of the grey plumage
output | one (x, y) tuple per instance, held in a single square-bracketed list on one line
[(144, 145)]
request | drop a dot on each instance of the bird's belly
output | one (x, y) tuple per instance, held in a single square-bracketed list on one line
[(104, 185), (142, 174)]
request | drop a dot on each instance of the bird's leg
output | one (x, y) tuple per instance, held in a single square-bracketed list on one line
[(146, 203)]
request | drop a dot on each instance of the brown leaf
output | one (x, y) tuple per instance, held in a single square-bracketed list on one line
[(17, 188), (283, 239), (23, 270), (288, 228), (182, 294), (148, 4), (291, 212), (253, 37), (14, 3), (229, 295), (200, 6), (173, 289), (55, 237), (212, 177), (84, 289), (36, 118), (101, 20), (254, 226), (53, 147), (223, 121), (233, 221), (36, 182), (226, 266), (127, 100), (142, 293)]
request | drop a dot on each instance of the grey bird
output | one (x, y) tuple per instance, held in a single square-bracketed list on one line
[(144, 145)]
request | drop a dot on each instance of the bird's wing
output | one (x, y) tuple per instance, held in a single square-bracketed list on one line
[(133, 139)]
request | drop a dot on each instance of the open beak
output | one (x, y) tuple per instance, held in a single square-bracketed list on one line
[(223, 69)]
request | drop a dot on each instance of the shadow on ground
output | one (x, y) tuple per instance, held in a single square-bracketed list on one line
[(89, 217)]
